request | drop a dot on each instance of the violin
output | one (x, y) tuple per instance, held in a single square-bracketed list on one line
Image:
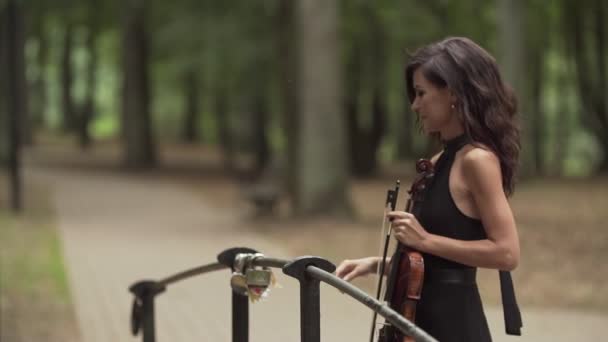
[(406, 275)]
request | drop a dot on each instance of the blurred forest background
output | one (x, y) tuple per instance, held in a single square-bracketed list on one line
[(313, 92), (293, 108)]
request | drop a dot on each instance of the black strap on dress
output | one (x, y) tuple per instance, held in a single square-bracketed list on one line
[(510, 308)]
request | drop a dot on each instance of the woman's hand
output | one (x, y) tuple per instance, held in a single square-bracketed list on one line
[(408, 230), (351, 269)]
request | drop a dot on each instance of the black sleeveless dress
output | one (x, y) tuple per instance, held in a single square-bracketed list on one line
[(450, 312)]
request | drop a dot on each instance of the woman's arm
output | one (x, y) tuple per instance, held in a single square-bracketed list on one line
[(501, 249)]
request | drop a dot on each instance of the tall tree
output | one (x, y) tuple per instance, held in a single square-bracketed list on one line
[(180, 58), (222, 117), (15, 70), (191, 84), (587, 41), (537, 45), (352, 94), (140, 148), (536, 119), (5, 134), (87, 109), (257, 76), (366, 79), (67, 78), (512, 55), (260, 139), (323, 180), (39, 84), (563, 124), (405, 131), (287, 48)]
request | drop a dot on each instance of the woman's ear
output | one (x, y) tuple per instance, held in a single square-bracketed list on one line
[(453, 99)]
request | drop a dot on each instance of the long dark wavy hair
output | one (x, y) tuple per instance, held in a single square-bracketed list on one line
[(486, 105)]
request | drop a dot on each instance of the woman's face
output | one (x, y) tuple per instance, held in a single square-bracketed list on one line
[(432, 104)]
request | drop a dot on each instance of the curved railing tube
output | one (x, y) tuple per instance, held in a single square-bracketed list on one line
[(270, 262), (382, 309), (216, 266), (310, 271)]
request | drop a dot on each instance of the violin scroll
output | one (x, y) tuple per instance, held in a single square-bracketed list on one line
[(424, 166), (426, 171)]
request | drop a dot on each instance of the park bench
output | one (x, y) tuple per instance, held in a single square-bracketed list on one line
[(264, 194)]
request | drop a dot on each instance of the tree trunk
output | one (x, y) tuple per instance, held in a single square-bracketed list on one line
[(260, 133), (405, 133), (590, 62), (140, 151), (287, 47), (323, 180), (601, 111), (39, 100), (16, 96), (67, 101), (224, 130), (191, 107), (512, 56), (603, 167), (21, 80), (365, 140), (5, 129), (379, 110), (87, 113), (537, 120), (351, 106), (563, 128)]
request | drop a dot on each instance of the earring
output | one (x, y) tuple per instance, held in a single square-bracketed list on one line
[(453, 106)]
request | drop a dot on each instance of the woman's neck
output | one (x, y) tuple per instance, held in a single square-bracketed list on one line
[(451, 132)]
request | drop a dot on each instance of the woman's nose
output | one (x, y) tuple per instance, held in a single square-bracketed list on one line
[(415, 106)]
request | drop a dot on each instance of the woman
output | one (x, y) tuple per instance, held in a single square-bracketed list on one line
[(465, 220)]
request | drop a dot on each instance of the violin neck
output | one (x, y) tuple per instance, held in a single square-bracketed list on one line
[(408, 205)]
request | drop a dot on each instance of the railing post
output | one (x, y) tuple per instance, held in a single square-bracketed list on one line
[(240, 303), (240, 318), (310, 306), (142, 315)]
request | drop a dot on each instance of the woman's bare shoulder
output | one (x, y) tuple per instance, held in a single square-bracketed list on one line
[(481, 167), (478, 155)]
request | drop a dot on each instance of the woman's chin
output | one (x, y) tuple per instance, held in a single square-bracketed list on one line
[(428, 131)]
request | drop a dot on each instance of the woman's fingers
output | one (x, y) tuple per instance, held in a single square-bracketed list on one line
[(399, 224), (399, 214), (351, 269), (356, 272), (344, 268)]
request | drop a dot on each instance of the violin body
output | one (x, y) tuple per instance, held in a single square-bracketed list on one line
[(406, 294), (406, 276)]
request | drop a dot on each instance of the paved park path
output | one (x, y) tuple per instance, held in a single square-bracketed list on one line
[(117, 229)]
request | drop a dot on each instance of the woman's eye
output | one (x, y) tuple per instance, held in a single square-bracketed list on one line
[(419, 93)]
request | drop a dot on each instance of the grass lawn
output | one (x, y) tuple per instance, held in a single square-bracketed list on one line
[(34, 295)]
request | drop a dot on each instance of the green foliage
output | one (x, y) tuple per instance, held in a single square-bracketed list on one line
[(232, 45), (584, 155)]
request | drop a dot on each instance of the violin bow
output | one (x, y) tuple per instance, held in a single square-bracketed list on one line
[(391, 201)]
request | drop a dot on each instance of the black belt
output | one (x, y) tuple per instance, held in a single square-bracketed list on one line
[(463, 276), (466, 276)]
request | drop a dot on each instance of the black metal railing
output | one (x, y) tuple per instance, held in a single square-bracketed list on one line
[(308, 270)]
